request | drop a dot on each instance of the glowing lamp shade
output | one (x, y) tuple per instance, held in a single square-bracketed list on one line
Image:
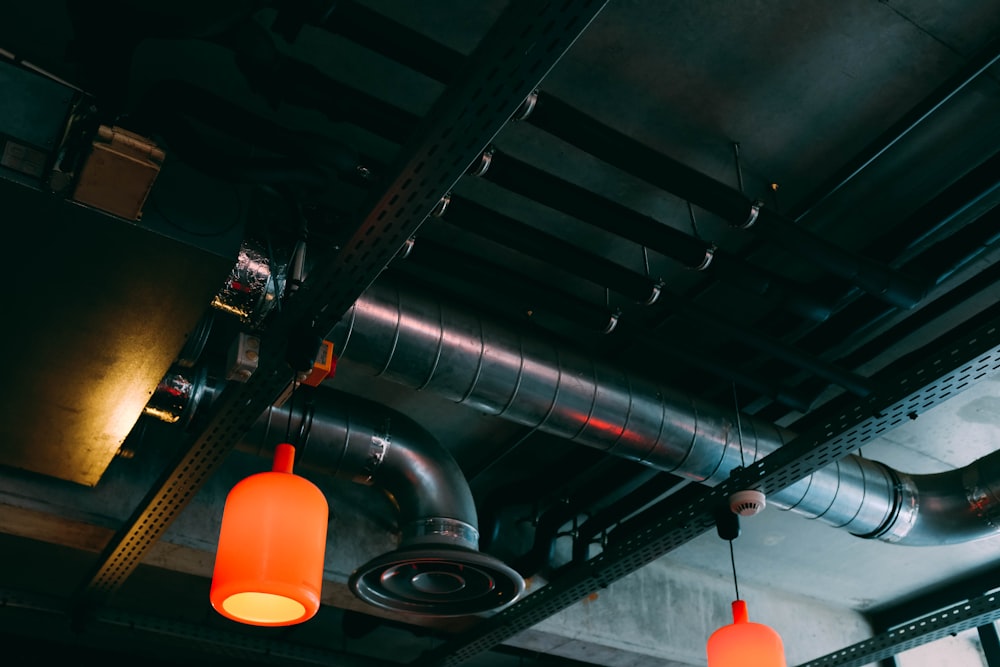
[(269, 564), (745, 644)]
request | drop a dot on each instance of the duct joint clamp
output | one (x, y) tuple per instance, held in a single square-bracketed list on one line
[(754, 214)]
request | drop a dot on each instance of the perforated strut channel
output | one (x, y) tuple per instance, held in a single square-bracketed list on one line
[(675, 521), (521, 48), (962, 616)]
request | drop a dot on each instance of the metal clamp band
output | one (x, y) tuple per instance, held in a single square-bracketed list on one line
[(654, 296), (754, 214), (612, 322), (407, 248), (441, 206), (441, 529), (483, 165), (706, 261), (527, 106)]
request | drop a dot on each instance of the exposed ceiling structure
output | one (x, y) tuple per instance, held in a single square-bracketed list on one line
[(586, 269)]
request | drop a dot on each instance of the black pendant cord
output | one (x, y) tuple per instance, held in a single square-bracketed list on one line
[(739, 430), (732, 559), (291, 411)]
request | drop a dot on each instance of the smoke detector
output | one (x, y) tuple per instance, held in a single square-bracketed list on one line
[(747, 502)]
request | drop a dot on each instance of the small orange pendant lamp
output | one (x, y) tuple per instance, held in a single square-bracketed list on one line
[(269, 563), (742, 644), (745, 644)]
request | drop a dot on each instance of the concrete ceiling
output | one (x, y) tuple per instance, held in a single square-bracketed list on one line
[(860, 123)]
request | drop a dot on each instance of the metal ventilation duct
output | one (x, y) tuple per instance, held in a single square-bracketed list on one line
[(437, 568), (426, 345)]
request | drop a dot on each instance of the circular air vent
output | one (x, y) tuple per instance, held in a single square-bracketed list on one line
[(747, 503), (437, 581)]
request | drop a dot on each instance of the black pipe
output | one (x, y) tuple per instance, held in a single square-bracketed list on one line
[(974, 196), (167, 105), (538, 244), (397, 42), (649, 491), (976, 66), (620, 150), (604, 484), (483, 275), (529, 181), (511, 233), (852, 382), (391, 39), (432, 257)]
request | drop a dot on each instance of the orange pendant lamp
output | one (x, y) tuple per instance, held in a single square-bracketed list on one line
[(745, 644), (269, 563), (742, 644)]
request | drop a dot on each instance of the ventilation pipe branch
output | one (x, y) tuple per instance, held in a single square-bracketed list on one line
[(352, 439), (437, 569), (423, 344)]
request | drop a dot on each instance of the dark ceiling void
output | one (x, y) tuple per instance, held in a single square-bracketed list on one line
[(586, 269)]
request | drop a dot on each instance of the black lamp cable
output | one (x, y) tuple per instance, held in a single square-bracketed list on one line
[(732, 559)]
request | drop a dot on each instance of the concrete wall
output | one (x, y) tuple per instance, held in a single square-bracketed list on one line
[(664, 614)]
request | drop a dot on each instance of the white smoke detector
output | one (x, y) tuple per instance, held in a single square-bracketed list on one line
[(747, 503)]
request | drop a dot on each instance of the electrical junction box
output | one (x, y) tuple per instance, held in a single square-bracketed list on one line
[(35, 113), (323, 367), (119, 172)]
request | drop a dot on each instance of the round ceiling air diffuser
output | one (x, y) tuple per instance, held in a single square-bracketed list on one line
[(437, 581)]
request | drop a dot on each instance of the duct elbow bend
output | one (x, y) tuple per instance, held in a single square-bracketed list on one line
[(372, 445), (950, 507), (426, 484), (437, 569)]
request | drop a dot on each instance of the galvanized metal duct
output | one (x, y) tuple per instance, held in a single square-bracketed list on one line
[(428, 346), (437, 568)]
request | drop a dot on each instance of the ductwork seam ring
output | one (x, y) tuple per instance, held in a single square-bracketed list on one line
[(441, 529), (904, 515), (380, 444), (437, 353), (628, 415), (836, 494), (893, 514)]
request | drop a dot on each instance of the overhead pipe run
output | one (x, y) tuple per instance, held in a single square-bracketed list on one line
[(539, 244), (423, 344), (559, 119), (619, 150), (692, 253), (437, 568), (306, 86)]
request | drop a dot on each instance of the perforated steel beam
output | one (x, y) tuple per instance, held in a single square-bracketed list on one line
[(973, 613), (957, 362), (510, 61)]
